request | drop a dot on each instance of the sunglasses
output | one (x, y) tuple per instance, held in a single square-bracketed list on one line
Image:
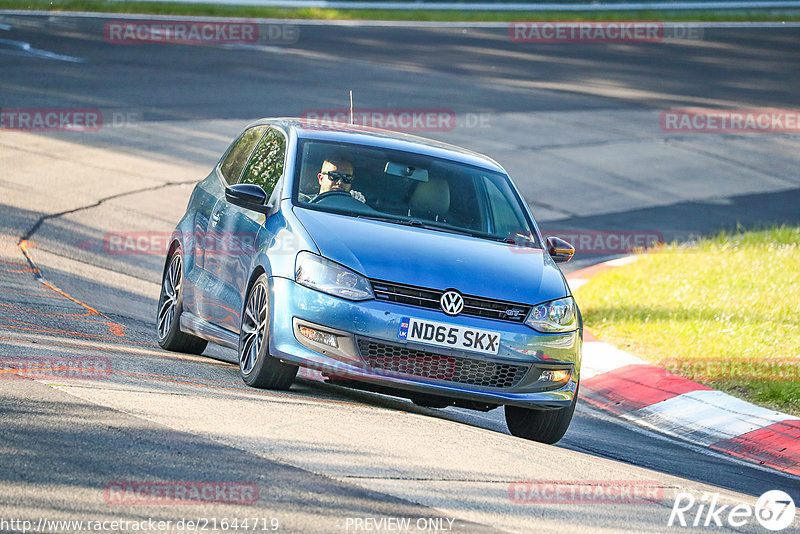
[(334, 176)]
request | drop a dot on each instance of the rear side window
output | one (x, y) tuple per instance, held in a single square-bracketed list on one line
[(266, 164), (231, 167)]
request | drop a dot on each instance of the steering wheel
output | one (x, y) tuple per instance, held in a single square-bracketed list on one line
[(330, 194)]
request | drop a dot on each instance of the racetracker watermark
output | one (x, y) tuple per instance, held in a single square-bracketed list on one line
[(598, 242), (56, 367), (733, 369), (193, 524), (198, 32), (600, 32), (51, 119), (586, 492), (400, 120), (157, 243), (135, 493), (702, 120), (609, 242), (436, 367), (66, 119)]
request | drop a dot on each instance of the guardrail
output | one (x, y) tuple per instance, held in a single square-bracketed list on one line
[(512, 6)]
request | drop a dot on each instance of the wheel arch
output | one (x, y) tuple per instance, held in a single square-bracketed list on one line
[(258, 271), (173, 246)]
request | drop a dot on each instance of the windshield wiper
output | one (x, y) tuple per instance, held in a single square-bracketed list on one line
[(419, 224), (527, 243)]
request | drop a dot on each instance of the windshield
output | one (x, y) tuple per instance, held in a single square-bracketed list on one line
[(410, 189)]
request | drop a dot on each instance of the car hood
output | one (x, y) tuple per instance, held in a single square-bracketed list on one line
[(437, 260)]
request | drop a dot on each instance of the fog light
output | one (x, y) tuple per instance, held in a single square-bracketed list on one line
[(554, 375), (319, 337)]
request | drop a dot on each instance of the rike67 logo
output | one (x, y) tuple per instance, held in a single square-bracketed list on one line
[(774, 510)]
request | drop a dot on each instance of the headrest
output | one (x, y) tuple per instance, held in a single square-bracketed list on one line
[(432, 196)]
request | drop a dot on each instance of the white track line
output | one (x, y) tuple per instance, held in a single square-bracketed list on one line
[(509, 6), (21, 48), (368, 23)]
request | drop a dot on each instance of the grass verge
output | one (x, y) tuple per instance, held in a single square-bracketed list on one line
[(724, 312), (216, 10)]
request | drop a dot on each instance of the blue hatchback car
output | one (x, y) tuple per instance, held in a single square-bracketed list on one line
[(384, 261)]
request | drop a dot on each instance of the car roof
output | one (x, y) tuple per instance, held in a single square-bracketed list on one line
[(367, 136)]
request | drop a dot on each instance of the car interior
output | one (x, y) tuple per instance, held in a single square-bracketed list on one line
[(444, 193)]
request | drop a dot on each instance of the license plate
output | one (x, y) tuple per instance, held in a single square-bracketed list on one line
[(447, 335)]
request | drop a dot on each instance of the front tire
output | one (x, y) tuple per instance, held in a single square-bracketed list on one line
[(257, 368), (545, 426), (170, 306)]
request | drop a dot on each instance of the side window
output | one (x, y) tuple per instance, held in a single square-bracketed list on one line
[(506, 220), (266, 164), (234, 161)]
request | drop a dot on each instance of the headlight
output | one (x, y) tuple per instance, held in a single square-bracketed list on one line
[(555, 316), (324, 275)]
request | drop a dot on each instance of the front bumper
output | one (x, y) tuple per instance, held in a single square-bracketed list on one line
[(369, 349)]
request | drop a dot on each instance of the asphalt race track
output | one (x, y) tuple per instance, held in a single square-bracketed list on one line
[(576, 125)]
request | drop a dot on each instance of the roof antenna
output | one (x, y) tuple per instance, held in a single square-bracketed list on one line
[(351, 107)]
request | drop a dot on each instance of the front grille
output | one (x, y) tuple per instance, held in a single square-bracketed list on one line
[(398, 359), (429, 298)]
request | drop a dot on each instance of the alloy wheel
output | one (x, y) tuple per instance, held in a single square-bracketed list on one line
[(254, 326), (170, 290)]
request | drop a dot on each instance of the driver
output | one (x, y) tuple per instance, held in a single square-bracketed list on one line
[(336, 174)]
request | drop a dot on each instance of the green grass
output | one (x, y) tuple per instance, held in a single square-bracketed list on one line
[(166, 8), (724, 312)]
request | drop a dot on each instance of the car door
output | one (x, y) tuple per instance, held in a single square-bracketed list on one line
[(226, 173), (234, 232)]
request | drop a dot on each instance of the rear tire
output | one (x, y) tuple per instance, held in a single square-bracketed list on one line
[(170, 306), (257, 368), (545, 426)]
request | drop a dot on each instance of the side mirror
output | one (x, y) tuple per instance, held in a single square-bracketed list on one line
[(248, 196), (560, 250)]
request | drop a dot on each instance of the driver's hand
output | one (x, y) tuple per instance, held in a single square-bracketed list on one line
[(358, 195)]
